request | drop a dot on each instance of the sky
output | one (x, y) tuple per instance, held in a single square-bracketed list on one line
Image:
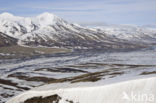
[(137, 12)]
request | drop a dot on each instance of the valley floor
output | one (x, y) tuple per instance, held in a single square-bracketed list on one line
[(16, 51), (69, 70)]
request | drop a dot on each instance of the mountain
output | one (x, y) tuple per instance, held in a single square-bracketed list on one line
[(130, 32), (6, 40), (49, 30)]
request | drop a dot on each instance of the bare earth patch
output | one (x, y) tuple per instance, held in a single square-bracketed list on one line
[(50, 99), (148, 73)]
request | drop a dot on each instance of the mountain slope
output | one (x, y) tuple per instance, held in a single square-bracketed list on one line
[(130, 32), (49, 30), (6, 40)]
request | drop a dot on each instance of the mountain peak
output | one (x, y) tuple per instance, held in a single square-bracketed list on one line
[(46, 14), (47, 18)]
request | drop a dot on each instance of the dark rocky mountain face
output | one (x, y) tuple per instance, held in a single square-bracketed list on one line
[(6, 40)]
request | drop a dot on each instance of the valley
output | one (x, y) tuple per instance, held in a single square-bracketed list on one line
[(46, 59)]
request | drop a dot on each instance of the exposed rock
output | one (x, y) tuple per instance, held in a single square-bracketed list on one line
[(6, 40)]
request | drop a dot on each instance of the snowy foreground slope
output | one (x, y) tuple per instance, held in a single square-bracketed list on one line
[(131, 91)]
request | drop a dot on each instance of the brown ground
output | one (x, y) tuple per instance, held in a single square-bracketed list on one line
[(20, 51), (50, 99), (10, 83), (148, 73)]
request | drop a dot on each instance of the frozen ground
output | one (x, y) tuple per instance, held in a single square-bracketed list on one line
[(84, 69)]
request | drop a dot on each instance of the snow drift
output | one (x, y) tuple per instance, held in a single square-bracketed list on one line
[(132, 91)]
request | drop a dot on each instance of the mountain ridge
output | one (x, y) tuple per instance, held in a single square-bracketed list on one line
[(49, 30)]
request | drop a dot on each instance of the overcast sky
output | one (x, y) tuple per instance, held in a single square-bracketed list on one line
[(139, 12)]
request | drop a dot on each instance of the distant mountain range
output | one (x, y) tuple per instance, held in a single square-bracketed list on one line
[(49, 30)]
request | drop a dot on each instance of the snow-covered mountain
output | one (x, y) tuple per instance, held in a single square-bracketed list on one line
[(17, 26), (49, 30), (130, 32)]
